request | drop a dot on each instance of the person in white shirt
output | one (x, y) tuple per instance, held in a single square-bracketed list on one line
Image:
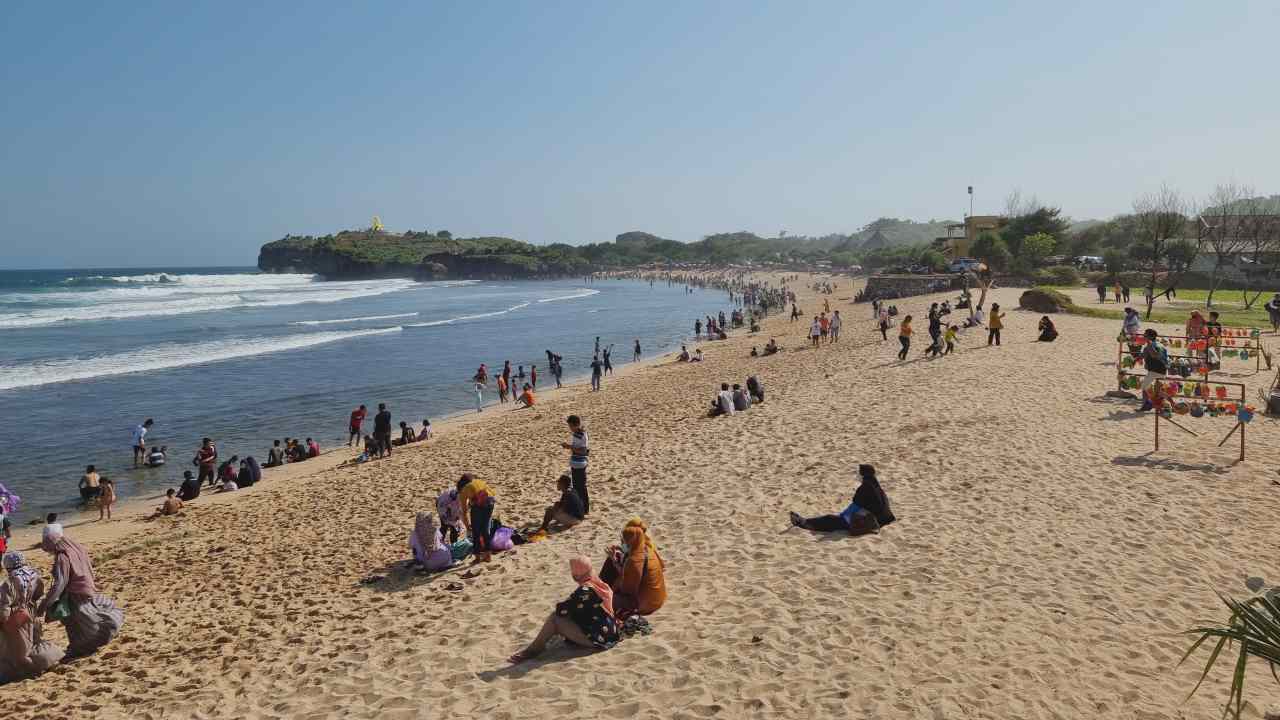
[(836, 322), (723, 404), (140, 441), (815, 331)]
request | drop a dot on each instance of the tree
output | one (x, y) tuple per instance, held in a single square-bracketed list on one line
[(1037, 247), (1220, 225), (445, 234), (990, 248), (1115, 260), (1161, 220), (933, 259), (1046, 220), (1181, 254), (1260, 225)]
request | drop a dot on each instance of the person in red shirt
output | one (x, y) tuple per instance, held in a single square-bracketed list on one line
[(357, 419), (207, 460), (313, 448)]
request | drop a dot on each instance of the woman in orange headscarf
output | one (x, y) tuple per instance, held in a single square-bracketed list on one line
[(636, 573), (586, 619)]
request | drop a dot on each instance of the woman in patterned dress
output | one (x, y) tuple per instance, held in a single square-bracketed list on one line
[(585, 619)]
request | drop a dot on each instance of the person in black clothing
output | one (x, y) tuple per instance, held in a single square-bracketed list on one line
[(190, 489), (607, 356), (382, 430), (568, 510), (868, 512), (935, 330)]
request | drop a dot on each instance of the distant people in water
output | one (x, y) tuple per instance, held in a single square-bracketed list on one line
[(157, 456), (106, 499), (90, 484), (867, 513), (140, 441)]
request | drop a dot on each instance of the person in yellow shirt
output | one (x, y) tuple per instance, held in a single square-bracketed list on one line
[(477, 502), (951, 337), (904, 337), (995, 324)]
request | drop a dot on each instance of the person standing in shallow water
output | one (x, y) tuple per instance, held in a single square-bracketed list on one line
[(635, 353)]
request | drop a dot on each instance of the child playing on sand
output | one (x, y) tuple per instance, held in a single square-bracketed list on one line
[(996, 324), (106, 499), (904, 337), (951, 338)]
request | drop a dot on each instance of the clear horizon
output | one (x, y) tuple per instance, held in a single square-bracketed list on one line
[(189, 135)]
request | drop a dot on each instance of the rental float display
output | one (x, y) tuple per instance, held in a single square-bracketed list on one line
[(1175, 400)]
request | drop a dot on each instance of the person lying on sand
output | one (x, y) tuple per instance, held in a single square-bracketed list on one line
[(567, 511), (429, 550), (636, 573), (868, 512), (585, 619)]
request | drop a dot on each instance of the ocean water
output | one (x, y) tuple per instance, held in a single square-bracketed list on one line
[(246, 358)]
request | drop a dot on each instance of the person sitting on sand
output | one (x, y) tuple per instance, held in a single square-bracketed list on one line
[(526, 398), (477, 503), (697, 355), (250, 473), (90, 484), (275, 456), (1048, 333), (636, 573), (868, 512), (190, 488), (156, 457), (172, 503), (94, 618), (429, 552), (772, 347), (585, 619), (450, 512), (977, 319), (228, 471), (24, 652), (684, 354), (741, 400), (425, 433), (313, 449), (229, 485), (406, 434), (567, 511), (754, 351), (723, 402), (755, 388)]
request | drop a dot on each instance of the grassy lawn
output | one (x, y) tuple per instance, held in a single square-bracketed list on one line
[(1176, 312)]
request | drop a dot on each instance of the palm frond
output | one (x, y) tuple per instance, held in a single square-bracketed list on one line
[(1254, 626)]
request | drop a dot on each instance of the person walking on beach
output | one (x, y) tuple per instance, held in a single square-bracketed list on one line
[(597, 371), (502, 389), (578, 452), (608, 363), (815, 331), (935, 329), (884, 323), (140, 441), (996, 324), (382, 429), (353, 428), (479, 387), (207, 461), (635, 352), (836, 322), (506, 375), (795, 312), (904, 337), (107, 499)]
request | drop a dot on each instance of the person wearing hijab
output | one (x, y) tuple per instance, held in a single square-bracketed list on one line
[(24, 653), (636, 573), (869, 503), (586, 619), (91, 618), (250, 473), (428, 550)]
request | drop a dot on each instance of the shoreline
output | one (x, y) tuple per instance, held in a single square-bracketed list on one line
[(1002, 568)]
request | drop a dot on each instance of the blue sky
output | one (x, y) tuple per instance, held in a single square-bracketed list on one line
[(161, 133)]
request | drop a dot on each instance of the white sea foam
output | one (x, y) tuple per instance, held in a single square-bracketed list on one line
[(161, 357), (355, 319), (204, 293), (580, 294), (464, 318)]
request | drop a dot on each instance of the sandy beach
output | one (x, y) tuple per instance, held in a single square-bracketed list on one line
[(1044, 564)]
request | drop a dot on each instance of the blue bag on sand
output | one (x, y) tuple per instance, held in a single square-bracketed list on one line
[(461, 549)]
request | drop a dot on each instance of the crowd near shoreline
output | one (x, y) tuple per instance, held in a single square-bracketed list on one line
[(634, 589)]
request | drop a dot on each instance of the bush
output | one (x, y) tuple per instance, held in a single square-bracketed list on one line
[(1061, 275), (1044, 300), (1093, 277)]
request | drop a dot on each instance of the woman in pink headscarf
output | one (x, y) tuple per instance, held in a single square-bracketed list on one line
[(585, 619), (91, 618)]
